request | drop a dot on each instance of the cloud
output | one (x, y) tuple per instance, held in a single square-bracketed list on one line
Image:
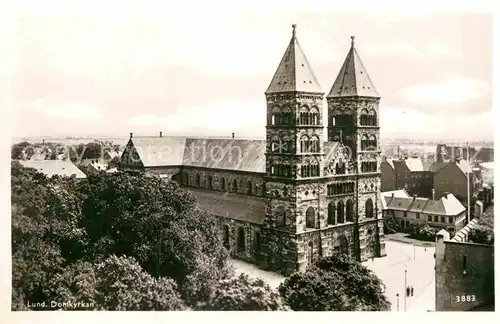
[(396, 121), (146, 120), (448, 91), (401, 48), (72, 111)]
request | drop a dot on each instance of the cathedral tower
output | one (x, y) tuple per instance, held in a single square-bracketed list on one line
[(353, 119), (294, 159)]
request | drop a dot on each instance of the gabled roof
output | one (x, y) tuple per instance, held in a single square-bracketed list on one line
[(248, 208), (294, 72), (464, 166), (415, 164), (386, 196), (446, 206), (353, 79), (55, 167)]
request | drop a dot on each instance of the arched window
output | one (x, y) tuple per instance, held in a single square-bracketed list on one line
[(304, 144), (364, 117), (257, 244), (240, 241), (198, 180), (331, 214), (369, 208), (349, 211), (342, 245), (209, 180), (372, 118), (280, 216), (364, 142), (310, 221), (226, 236), (249, 187), (314, 117), (372, 143), (235, 185), (340, 212), (314, 144), (223, 184), (273, 119)]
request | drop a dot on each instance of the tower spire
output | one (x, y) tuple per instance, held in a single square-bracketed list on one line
[(353, 79), (294, 72)]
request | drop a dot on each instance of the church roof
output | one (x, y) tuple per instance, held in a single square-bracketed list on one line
[(294, 72), (247, 155), (353, 79)]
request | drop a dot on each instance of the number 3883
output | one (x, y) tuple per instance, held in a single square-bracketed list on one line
[(465, 298)]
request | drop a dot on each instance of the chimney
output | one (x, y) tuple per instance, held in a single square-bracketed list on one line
[(131, 135), (161, 134), (392, 195), (232, 135), (445, 194), (414, 197), (433, 194)]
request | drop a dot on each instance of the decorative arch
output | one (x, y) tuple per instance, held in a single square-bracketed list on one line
[(331, 214), (364, 142), (372, 142), (314, 116), (310, 218), (369, 208), (349, 210), (280, 216), (314, 144), (340, 212)]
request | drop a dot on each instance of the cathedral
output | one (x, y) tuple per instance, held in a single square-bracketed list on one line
[(285, 201)]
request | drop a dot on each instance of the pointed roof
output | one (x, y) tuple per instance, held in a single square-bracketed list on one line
[(353, 79), (294, 72)]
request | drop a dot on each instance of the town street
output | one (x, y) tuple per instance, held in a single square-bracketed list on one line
[(418, 261)]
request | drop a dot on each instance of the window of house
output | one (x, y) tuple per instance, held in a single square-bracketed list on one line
[(450, 219), (443, 219), (418, 215), (223, 184), (209, 182), (198, 180), (405, 214), (226, 236), (429, 218), (249, 187), (436, 219)]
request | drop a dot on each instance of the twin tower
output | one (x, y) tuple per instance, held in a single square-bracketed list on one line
[(322, 196)]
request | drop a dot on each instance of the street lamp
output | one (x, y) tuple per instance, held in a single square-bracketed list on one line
[(413, 251), (397, 302), (406, 285)]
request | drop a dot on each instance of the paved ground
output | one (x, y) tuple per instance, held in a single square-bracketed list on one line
[(390, 269)]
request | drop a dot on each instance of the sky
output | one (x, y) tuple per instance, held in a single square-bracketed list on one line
[(121, 69)]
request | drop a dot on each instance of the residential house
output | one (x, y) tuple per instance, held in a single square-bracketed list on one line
[(446, 212), (55, 167), (415, 175), (452, 178), (391, 194)]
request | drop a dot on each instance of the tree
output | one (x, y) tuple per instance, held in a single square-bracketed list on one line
[(335, 283), (243, 293), (390, 224), (117, 283), (17, 150)]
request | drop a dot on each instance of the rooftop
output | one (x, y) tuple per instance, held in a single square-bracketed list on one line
[(54, 167)]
